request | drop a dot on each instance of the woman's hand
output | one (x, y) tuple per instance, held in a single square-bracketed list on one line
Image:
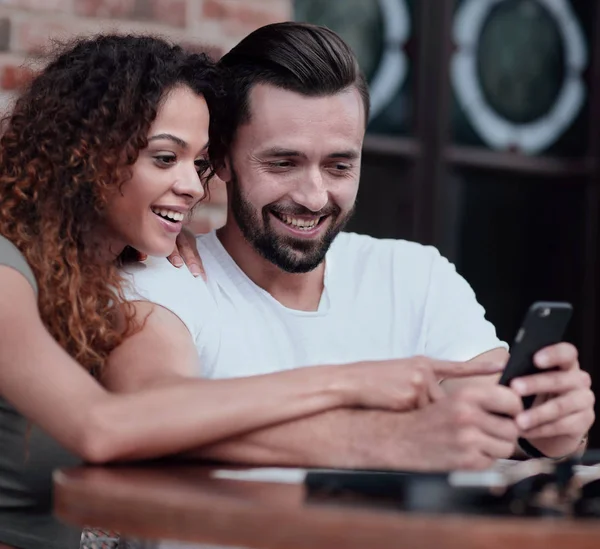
[(405, 384), (186, 253)]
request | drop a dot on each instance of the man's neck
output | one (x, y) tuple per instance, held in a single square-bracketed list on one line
[(296, 291)]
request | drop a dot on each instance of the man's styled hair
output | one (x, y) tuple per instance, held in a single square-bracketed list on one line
[(299, 57)]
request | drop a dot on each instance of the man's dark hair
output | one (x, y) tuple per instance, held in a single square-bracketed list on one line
[(299, 57)]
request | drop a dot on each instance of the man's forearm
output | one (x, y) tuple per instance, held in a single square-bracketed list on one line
[(340, 438)]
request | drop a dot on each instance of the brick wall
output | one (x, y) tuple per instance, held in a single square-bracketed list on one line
[(27, 28)]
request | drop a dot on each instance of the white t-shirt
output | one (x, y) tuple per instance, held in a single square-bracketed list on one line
[(382, 299)]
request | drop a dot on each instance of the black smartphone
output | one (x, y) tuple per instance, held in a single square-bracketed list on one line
[(544, 324)]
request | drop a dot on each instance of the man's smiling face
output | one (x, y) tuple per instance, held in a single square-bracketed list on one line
[(294, 170)]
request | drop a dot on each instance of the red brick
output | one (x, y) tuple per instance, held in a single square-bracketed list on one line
[(257, 17), (7, 100), (218, 192), (213, 9), (207, 218), (252, 15), (35, 36), (214, 52), (211, 214), (40, 5), (5, 33), (105, 8), (169, 12), (14, 77)]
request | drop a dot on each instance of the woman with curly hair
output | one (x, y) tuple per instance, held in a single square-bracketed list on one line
[(102, 158)]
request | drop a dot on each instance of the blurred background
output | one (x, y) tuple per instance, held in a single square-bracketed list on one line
[(484, 138)]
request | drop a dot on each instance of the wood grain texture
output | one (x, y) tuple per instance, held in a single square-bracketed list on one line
[(185, 503)]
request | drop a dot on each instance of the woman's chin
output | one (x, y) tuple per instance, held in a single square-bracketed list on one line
[(157, 250)]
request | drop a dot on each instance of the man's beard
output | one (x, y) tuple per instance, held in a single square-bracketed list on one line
[(293, 255)]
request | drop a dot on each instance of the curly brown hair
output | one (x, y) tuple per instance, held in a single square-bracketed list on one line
[(69, 143)]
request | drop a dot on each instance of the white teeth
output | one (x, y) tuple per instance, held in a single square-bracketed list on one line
[(170, 214), (304, 224)]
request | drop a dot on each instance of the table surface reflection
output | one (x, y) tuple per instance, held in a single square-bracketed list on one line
[(196, 504)]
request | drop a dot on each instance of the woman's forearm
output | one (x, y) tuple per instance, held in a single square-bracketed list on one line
[(174, 416)]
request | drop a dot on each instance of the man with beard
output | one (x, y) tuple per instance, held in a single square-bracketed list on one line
[(286, 287)]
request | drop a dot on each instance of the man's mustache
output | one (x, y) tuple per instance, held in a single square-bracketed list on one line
[(298, 210)]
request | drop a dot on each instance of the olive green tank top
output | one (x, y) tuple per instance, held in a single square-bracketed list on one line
[(26, 465)]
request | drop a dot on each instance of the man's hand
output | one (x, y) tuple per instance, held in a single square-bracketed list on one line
[(404, 384), (186, 253), (468, 430), (564, 410)]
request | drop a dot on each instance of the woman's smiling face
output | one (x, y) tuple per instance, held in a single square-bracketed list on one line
[(166, 182)]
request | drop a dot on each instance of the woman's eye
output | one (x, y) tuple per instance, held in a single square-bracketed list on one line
[(202, 166), (165, 160)]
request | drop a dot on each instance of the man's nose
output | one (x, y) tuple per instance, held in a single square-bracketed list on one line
[(311, 191)]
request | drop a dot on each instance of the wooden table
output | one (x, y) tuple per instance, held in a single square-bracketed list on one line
[(188, 503)]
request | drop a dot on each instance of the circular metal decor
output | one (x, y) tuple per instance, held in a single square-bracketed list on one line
[(518, 70), (377, 32)]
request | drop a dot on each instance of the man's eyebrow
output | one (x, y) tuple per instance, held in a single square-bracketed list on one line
[(278, 152), (349, 154), (183, 144)]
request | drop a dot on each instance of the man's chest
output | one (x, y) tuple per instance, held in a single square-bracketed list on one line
[(257, 336)]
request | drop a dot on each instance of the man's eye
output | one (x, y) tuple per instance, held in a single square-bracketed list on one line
[(165, 160), (341, 167), (281, 164)]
